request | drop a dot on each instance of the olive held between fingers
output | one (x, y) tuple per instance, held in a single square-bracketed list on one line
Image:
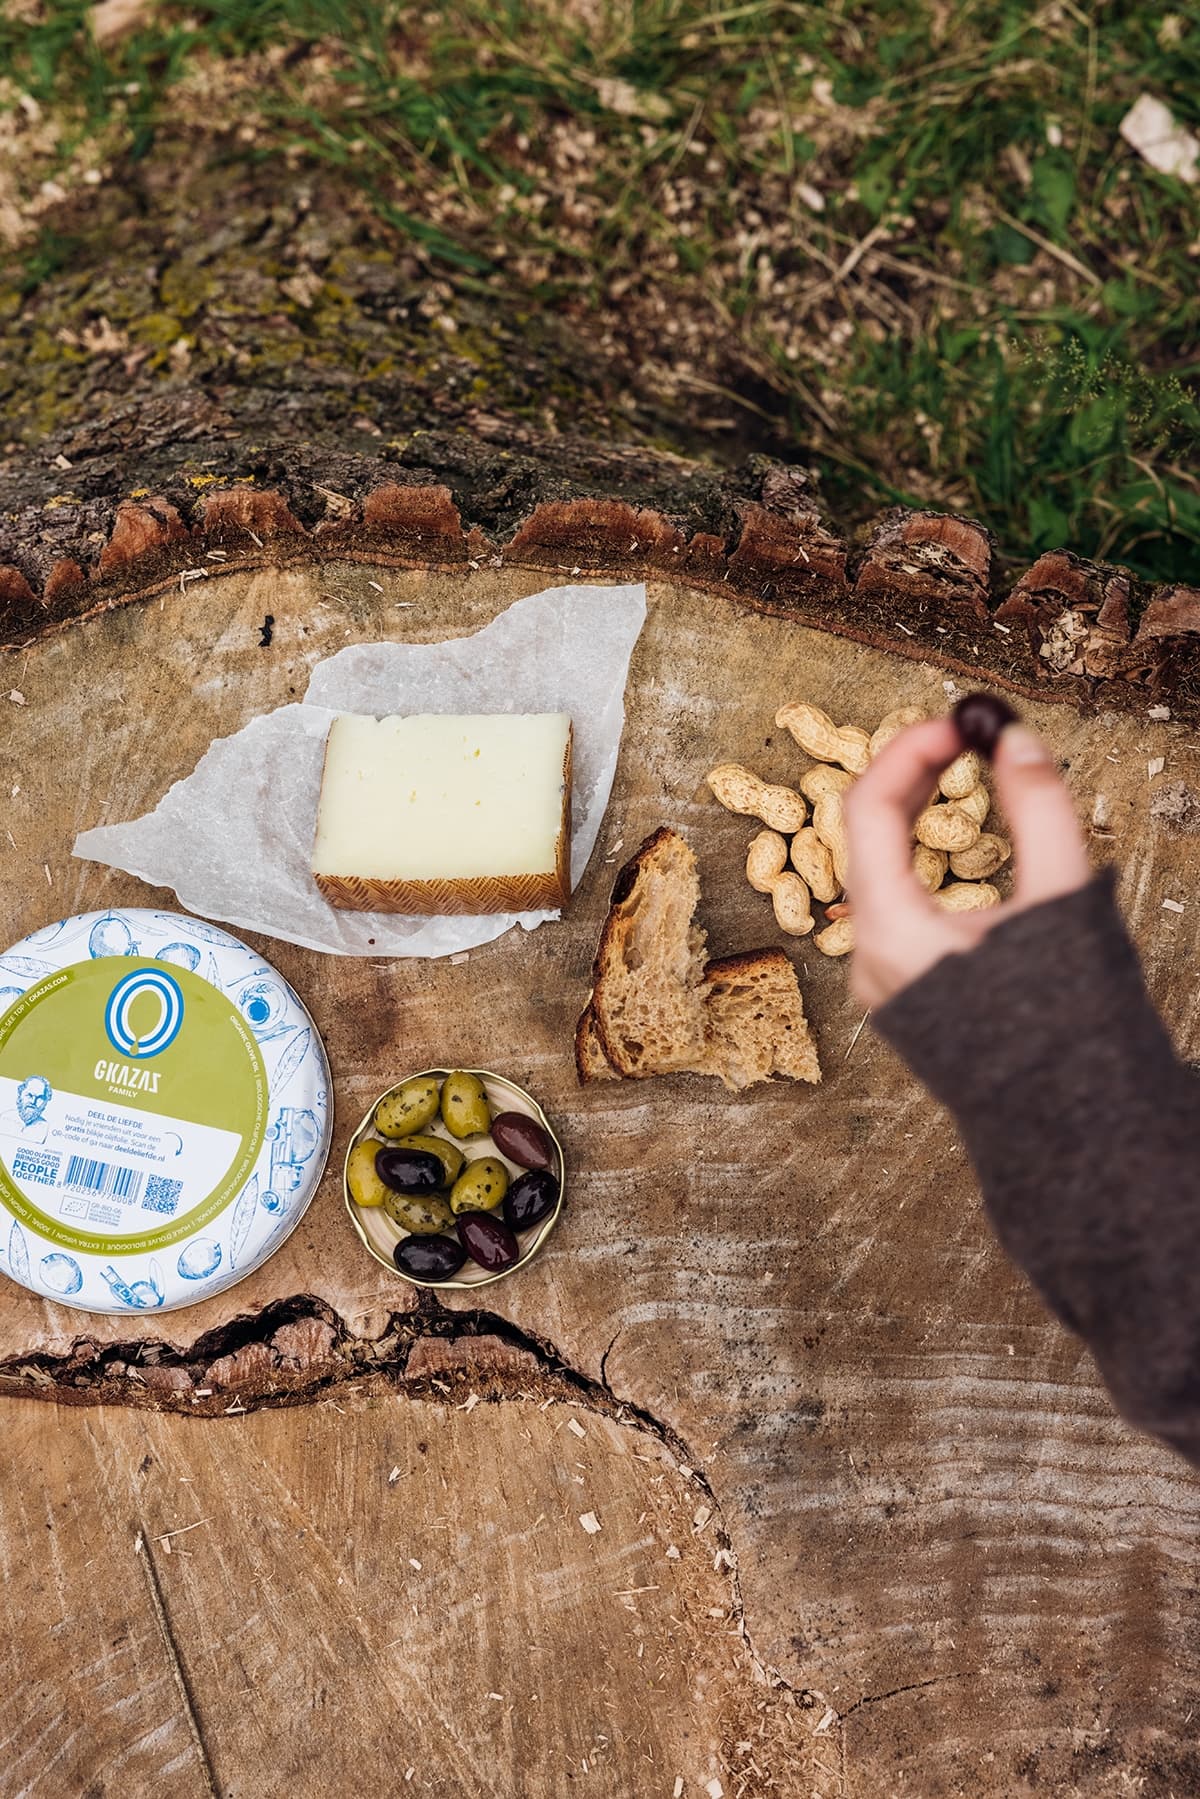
[(980, 718), (464, 1105), (531, 1198), (409, 1109), (362, 1176), (448, 1154), (429, 1258), (481, 1186), (408, 1170), (423, 1213), (488, 1241), (523, 1140)]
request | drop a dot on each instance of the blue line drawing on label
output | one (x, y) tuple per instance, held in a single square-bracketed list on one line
[(28, 1116), (184, 955), (166, 990), (207, 933), (18, 1255), (9, 997), (294, 1138), (48, 932), (200, 1258), (27, 966), (111, 936), (264, 1005), (142, 1296), (212, 974), (61, 1274), (291, 1059), (243, 1218)]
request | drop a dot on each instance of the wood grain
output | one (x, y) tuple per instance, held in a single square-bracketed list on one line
[(940, 1523), (354, 1613)]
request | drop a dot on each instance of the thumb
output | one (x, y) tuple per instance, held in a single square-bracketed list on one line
[(1051, 857)]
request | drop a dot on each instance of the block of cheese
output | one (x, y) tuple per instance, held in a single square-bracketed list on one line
[(446, 814)]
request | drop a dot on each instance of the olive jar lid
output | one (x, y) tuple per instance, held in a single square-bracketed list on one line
[(165, 1111)]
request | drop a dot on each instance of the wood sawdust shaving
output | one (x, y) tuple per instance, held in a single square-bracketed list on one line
[(677, 1789), (590, 1522), (469, 1405), (18, 699), (714, 1789), (393, 1477), (702, 1517), (165, 1538), (574, 1425), (858, 1033), (1155, 766), (828, 1718), (672, 1553), (1160, 713), (1172, 906)]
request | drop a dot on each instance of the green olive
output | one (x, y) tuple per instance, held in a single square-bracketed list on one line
[(464, 1105), (421, 1213), (481, 1186), (366, 1188), (448, 1154), (408, 1109)]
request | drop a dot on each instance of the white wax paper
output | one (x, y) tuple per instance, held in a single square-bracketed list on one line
[(234, 839)]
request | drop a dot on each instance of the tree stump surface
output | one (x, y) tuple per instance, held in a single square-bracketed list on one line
[(939, 1542)]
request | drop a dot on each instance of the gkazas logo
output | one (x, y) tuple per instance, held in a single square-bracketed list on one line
[(144, 1013)]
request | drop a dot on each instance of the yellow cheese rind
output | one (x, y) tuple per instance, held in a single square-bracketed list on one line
[(399, 890)]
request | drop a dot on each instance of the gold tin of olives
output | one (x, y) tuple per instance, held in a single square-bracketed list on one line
[(382, 1233)]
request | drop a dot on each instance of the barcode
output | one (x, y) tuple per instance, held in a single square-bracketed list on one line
[(104, 1180)]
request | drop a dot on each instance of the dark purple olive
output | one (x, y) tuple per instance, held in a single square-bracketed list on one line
[(409, 1170), (530, 1197), (980, 718), (429, 1258), (523, 1140), (487, 1241)]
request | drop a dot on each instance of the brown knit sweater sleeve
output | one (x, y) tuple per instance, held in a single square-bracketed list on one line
[(1084, 1129)]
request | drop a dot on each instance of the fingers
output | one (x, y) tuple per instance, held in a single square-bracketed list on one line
[(879, 812), (1051, 858)]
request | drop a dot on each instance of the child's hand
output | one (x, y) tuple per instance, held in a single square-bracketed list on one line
[(898, 933)]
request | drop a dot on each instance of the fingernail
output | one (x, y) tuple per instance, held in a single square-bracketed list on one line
[(1023, 746)]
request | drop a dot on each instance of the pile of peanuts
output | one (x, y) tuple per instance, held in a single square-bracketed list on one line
[(950, 838)]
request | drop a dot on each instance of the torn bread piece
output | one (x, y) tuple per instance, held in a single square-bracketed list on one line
[(756, 1021), (658, 1008), (647, 1000)]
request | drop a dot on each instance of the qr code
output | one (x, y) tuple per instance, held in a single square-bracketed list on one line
[(161, 1195), (36, 1165)]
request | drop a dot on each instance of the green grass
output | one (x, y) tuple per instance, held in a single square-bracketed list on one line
[(996, 309)]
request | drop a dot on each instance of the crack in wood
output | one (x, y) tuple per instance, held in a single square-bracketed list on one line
[(116, 1374), (915, 1686), (142, 1548)]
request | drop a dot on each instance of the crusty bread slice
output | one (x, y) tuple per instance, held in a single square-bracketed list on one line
[(648, 978), (741, 1018), (756, 1021)]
